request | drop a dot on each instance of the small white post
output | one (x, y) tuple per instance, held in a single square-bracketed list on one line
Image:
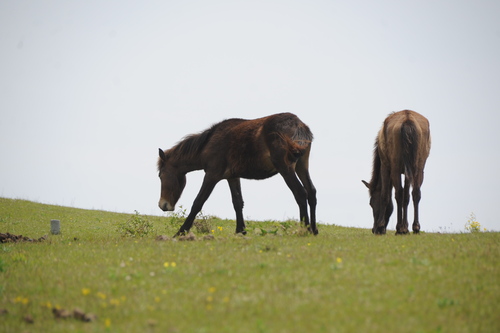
[(55, 227)]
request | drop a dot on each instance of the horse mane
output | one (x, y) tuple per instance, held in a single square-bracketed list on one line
[(376, 169), (193, 144), (190, 145)]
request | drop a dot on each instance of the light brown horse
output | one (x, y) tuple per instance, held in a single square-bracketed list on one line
[(402, 147), (238, 148)]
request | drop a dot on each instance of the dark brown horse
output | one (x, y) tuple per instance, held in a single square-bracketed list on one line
[(402, 147), (238, 148)]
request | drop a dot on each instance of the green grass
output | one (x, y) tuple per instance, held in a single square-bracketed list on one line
[(274, 280)]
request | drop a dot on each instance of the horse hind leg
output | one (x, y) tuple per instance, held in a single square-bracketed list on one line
[(402, 203), (287, 168), (299, 193), (406, 202), (303, 174), (416, 194)]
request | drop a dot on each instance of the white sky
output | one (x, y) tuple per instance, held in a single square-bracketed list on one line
[(89, 90)]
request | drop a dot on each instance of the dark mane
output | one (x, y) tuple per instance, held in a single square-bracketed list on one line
[(159, 164), (194, 143), (189, 146), (376, 169)]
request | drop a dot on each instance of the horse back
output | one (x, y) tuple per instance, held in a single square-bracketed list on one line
[(404, 135), (248, 148)]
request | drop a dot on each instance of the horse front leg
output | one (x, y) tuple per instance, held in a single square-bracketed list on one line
[(235, 187), (205, 191)]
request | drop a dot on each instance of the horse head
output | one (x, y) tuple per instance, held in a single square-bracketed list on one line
[(172, 183), (377, 207)]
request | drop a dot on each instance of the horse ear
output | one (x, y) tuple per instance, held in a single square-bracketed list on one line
[(162, 154), (366, 184)]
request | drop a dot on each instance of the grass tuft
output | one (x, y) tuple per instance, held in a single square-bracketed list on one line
[(136, 226)]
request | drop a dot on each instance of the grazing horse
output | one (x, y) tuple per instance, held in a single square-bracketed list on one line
[(402, 147), (238, 148)]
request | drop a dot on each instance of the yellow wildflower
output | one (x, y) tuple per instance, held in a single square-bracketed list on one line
[(22, 300), (114, 302), (85, 291)]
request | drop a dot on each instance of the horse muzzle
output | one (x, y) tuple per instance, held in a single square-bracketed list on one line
[(165, 206)]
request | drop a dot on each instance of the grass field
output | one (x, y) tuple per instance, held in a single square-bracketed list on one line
[(276, 279)]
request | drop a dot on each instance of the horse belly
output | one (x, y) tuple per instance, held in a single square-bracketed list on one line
[(260, 167), (249, 157), (258, 174), (252, 167)]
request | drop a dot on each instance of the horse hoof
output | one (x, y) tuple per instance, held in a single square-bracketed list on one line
[(180, 233), (243, 232), (312, 231), (379, 231)]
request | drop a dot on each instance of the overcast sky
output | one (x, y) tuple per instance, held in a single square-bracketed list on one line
[(89, 90)]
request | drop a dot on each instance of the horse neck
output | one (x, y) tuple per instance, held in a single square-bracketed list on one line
[(187, 162)]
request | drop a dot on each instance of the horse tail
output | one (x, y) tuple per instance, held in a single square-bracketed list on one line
[(302, 136), (296, 142), (299, 141), (409, 141)]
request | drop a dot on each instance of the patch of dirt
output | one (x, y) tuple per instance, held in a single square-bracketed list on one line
[(10, 238), (28, 319), (189, 237), (208, 237), (77, 314)]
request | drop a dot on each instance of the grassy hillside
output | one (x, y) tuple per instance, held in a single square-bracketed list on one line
[(277, 279)]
